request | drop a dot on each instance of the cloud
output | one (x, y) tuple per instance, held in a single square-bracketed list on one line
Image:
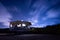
[(43, 11), (5, 16), (52, 14), (34, 14), (34, 19)]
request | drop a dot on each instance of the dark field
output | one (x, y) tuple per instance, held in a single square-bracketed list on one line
[(30, 37)]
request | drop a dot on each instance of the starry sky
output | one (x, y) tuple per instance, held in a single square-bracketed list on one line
[(39, 12)]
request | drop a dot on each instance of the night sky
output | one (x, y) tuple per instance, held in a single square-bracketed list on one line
[(39, 12)]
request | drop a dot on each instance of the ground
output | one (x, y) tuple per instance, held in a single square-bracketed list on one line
[(30, 37)]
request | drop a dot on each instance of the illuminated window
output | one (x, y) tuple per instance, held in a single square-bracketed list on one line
[(19, 25), (23, 24), (11, 25)]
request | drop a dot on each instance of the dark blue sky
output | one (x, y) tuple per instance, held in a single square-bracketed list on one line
[(39, 12)]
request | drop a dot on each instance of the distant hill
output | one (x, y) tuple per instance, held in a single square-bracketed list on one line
[(53, 28)]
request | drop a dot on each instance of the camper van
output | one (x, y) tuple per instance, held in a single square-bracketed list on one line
[(19, 25)]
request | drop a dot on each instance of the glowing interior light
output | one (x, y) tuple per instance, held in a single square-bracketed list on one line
[(23, 24), (19, 25), (11, 25)]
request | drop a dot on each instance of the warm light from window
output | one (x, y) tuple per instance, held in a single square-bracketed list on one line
[(23, 24), (19, 25), (11, 25)]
